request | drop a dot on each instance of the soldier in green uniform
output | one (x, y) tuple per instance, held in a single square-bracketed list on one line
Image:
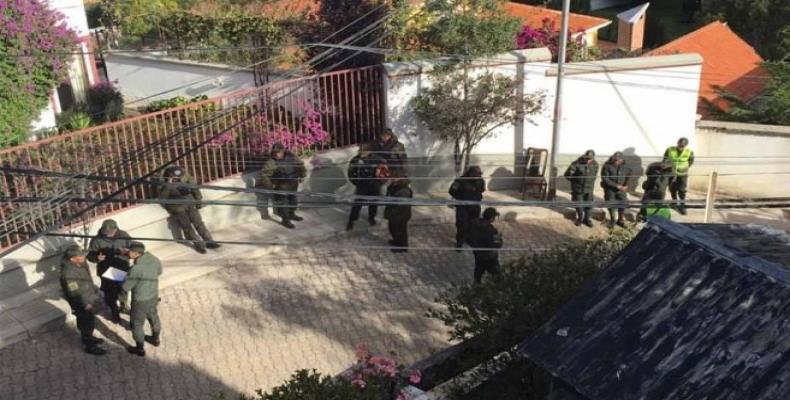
[(109, 250), (179, 187), (469, 187), (581, 174), (483, 235), (82, 296), (614, 182), (659, 174), (398, 215), (143, 283), (390, 149), (682, 158), (284, 171)]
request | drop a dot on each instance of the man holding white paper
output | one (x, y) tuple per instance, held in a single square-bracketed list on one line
[(109, 251)]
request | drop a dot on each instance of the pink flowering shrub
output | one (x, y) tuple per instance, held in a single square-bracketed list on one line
[(548, 35), (381, 371), (373, 377), (264, 135), (37, 46)]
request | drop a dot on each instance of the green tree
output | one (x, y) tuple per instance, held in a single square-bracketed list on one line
[(773, 107), (765, 24), (464, 109), (469, 27)]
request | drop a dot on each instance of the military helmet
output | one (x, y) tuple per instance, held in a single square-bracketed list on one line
[(75, 251), (385, 132), (174, 172), (278, 147), (490, 213), (137, 247), (683, 141)]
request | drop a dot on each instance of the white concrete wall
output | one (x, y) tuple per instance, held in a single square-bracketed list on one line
[(74, 11), (153, 78), (747, 157), (639, 106)]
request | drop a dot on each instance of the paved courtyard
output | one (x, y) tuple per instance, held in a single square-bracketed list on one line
[(252, 323)]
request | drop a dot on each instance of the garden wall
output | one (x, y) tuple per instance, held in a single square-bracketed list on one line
[(639, 106), (755, 152), (145, 78)]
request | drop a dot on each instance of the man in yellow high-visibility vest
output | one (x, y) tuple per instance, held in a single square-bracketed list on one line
[(682, 159)]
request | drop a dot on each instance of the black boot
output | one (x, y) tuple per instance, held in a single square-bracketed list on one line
[(287, 223), (153, 339), (94, 349), (200, 249), (212, 245), (136, 350), (586, 221), (296, 218), (372, 221), (350, 225)]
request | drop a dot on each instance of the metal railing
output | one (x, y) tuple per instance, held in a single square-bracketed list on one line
[(349, 103)]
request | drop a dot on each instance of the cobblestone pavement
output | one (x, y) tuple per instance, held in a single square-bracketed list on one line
[(251, 324)]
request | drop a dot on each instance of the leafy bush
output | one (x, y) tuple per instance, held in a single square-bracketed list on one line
[(548, 35), (528, 291), (36, 46), (372, 378), (105, 103), (73, 120), (164, 104), (504, 310)]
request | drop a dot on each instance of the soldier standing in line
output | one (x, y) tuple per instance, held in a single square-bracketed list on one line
[(614, 181), (659, 175), (186, 216), (263, 182), (82, 296), (682, 158), (483, 235), (390, 149), (364, 172), (581, 174), (469, 187), (109, 249), (285, 171), (143, 283), (398, 215)]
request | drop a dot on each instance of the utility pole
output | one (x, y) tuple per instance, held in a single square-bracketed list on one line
[(555, 134)]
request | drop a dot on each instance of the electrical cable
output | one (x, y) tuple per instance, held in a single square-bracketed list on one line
[(84, 211)]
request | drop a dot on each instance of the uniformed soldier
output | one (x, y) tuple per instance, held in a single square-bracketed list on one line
[(82, 296), (365, 173), (614, 181), (143, 283), (285, 171), (109, 249), (264, 182), (178, 186), (659, 174), (398, 215), (682, 158), (581, 174), (390, 149), (469, 187), (483, 235)]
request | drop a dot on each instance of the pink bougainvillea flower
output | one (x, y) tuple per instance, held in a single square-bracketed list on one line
[(362, 352), (415, 377)]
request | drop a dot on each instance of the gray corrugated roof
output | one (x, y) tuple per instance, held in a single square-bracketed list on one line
[(684, 312)]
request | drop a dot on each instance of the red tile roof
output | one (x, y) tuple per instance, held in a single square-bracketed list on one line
[(533, 16), (728, 62)]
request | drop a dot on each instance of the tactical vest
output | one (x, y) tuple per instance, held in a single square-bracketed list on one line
[(680, 160)]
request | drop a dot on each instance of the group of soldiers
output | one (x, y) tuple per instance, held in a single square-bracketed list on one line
[(125, 268), (669, 173)]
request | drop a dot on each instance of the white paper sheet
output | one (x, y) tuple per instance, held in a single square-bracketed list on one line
[(114, 274)]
